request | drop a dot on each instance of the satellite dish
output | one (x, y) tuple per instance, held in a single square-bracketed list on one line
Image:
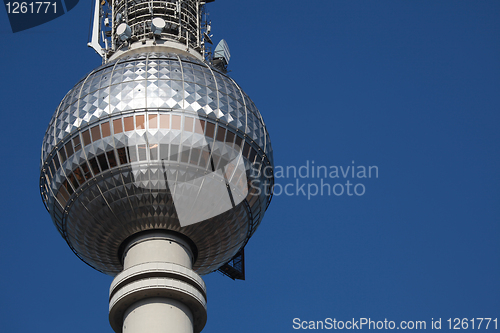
[(157, 25), (222, 53), (207, 38), (124, 31)]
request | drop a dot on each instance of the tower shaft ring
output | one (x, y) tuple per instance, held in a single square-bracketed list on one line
[(158, 291)]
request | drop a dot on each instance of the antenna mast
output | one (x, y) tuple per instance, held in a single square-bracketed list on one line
[(121, 26)]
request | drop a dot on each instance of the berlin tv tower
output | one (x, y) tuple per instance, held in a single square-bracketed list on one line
[(156, 167)]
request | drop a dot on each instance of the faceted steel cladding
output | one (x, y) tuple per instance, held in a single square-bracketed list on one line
[(127, 126)]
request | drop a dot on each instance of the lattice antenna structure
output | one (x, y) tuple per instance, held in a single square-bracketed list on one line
[(123, 25)]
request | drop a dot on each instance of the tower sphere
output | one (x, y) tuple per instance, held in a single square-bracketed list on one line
[(156, 141)]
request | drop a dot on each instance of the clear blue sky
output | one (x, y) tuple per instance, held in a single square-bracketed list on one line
[(412, 87)]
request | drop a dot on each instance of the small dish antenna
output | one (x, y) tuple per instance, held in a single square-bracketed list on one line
[(124, 31), (157, 25), (207, 38)]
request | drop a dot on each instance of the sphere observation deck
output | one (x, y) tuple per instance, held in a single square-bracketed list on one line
[(125, 146)]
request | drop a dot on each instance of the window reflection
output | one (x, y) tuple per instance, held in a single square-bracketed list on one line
[(176, 122), (86, 137), (68, 187), (185, 155), (96, 133), (117, 126), (246, 150), (129, 123), (62, 195), (174, 152), (122, 156), (111, 158), (221, 133), (163, 151), (52, 169), (238, 142), (62, 154), (142, 153), (56, 162), (210, 130), (195, 156), (106, 130), (86, 171), (94, 166), (199, 126), (140, 122), (188, 124), (76, 143), (69, 149), (73, 181), (79, 175), (205, 159), (103, 162), (153, 121), (230, 138), (153, 152), (165, 121), (132, 154)]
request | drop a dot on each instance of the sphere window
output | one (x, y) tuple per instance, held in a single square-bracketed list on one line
[(153, 121), (106, 130), (62, 154), (205, 158), (103, 163), (68, 187), (153, 152), (140, 122), (199, 126), (188, 124), (86, 170), (132, 153), (174, 152), (221, 133), (96, 133), (230, 138), (51, 168), (210, 130), (176, 122), (122, 156), (94, 166), (253, 153), (117, 126), (165, 121), (129, 123), (73, 181), (238, 141), (69, 149), (62, 196), (79, 175), (185, 155), (76, 143), (246, 150), (142, 153), (56, 162), (111, 158), (163, 151), (86, 138), (195, 156)]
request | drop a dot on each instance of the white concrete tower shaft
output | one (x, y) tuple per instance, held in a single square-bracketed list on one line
[(157, 291)]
